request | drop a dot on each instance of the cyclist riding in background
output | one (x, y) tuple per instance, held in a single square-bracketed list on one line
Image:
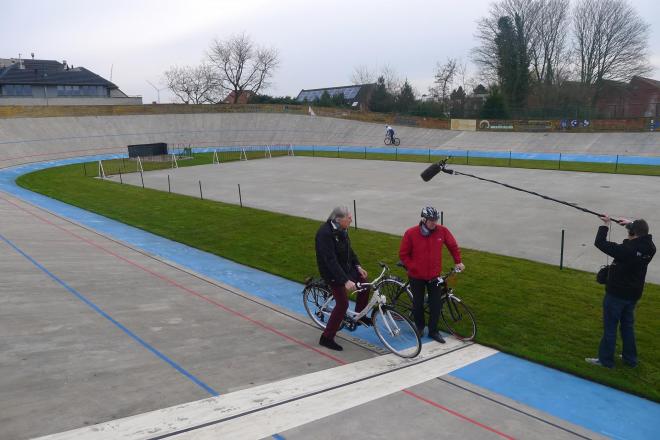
[(421, 253), (389, 132)]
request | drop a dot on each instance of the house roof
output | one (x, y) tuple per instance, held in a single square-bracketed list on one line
[(49, 72), (350, 92), (649, 81)]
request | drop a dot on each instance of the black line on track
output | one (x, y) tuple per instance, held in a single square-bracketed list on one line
[(513, 408)]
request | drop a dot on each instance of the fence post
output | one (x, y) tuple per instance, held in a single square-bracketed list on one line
[(201, 196), (355, 214), (313, 151), (442, 218), (122, 163), (365, 153), (509, 158), (429, 155), (121, 181), (337, 151), (240, 198), (561, 256), (467, 157), (396, 154), (169, 188), (559, 164), (616, 165), (142, 179), (85, 168)]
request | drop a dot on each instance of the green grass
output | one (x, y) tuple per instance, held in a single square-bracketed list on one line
[(528, 309), (399, 155)]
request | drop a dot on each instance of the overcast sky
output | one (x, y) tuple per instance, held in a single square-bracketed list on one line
[(319, 42)]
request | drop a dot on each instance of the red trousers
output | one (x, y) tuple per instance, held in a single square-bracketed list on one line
[(341, 305)]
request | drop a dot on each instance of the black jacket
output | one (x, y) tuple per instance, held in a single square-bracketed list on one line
[(334, 256), (628, 270)]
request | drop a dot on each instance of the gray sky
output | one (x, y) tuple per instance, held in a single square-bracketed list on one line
[(319, 42)]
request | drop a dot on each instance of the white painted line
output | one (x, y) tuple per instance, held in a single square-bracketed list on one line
[(276, 407)]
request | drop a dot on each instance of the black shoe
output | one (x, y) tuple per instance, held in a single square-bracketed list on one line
[(329, 343), (437, 337), (365, 320)]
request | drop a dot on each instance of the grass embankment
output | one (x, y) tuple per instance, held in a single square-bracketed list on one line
[(529, 309)]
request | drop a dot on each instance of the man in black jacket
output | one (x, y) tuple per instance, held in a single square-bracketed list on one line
[(340, 268), (623, 288)]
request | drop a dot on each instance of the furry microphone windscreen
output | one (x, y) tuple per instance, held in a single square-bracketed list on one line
[(430, 172)]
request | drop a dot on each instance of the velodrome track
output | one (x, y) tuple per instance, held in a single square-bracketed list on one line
[(102, 323), (31, 139)]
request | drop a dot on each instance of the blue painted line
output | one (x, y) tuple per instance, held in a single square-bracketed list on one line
[(123, 328), (562, 404), (278, 437), (601, 409)]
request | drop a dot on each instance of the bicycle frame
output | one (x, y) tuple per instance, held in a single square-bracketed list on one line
[(377, 300)]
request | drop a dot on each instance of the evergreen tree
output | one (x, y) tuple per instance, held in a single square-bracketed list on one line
[(513, 60), (495, 106), (406, 99), (381, 100)]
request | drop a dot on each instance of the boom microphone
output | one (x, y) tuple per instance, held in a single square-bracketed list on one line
[(430, 172)]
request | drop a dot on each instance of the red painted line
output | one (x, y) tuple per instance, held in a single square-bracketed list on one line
[(260, 324), (182, 287), (457, 414)]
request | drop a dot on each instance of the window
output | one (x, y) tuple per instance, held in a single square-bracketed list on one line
[(17, 90)]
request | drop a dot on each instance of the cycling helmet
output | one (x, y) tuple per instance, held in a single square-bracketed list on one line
[(430, 213)]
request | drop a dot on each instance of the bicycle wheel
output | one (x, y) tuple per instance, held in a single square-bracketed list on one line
[(387, 141), (398, 296), (396, 332), (319, 304), (397, 141), (458, 318)]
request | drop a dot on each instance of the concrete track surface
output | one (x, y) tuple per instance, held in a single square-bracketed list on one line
[(95, 331), (32, 139)]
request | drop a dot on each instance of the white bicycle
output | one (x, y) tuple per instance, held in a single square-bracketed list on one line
[(393, 329)]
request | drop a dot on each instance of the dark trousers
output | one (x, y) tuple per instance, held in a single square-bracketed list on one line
[(417, 287), (618, 312), (341, 305)]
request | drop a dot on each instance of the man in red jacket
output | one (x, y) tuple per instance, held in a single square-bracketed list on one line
[(421, 252)]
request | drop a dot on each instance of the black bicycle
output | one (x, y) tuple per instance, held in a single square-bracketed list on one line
[(392, 141), (454, 313)]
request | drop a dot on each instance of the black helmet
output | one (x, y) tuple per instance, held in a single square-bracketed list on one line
[(430, 213)]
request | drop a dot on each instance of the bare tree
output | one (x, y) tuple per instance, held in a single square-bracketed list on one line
[(444, 77), (193, 85), (486, 54), (393, 82), (611, 41), (548, 42), (363, 75), (241, 66)]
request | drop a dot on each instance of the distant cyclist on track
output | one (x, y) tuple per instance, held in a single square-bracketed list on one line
[(389, 132)]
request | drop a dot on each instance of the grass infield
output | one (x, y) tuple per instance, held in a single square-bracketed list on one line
[(529, 309)]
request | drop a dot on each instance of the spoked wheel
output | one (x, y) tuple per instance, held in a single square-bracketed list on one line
[(319, 304), (397, 141), (397, 296), (458, 318), (387, 140), (396, 332)]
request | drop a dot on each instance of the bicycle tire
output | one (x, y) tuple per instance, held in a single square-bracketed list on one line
[(458, 318), (397, 333), (313, 299), (387, 141), (397, 141), (398, 296)]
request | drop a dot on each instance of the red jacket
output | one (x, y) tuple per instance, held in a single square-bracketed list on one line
[(423, 255)]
